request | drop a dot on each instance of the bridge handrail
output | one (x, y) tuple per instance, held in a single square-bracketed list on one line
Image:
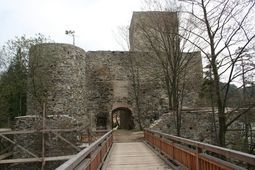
[(85, 153), (228, 153)]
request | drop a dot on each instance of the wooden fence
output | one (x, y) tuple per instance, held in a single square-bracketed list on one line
[(92, 157), (197, 155)]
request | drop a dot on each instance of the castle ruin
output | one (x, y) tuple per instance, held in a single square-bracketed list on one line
[(97, 89), (91, 86)]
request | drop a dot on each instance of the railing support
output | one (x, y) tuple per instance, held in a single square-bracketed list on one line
[(90, 158), (198, 152), (196, 155)]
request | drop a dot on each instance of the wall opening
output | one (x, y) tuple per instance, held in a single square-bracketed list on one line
[(101, 120), (122, 117)]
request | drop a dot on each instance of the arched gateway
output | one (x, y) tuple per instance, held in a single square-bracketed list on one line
[(123, 118)]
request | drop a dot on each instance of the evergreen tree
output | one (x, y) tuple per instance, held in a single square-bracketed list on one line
[(13, 80)]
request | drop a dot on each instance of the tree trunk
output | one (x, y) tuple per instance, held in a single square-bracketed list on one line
[(221, 109), (176, 104), (222, 131), (139, 113), (214, 128)]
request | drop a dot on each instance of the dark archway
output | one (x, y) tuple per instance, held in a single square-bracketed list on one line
[(122, 117), (101, 120)]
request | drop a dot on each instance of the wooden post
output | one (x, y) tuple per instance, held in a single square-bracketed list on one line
[(43, 140), (21, 147), (65, 140), (199, 150), (160, 144), (172, 149)]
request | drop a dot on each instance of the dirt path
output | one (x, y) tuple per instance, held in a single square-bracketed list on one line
[(127, 136)]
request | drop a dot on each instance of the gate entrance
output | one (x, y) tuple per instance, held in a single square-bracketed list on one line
[(122, 118)]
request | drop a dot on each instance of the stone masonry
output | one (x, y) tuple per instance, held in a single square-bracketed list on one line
[(83, 84)]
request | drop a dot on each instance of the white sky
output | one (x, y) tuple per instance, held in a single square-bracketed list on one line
[(94, 21)]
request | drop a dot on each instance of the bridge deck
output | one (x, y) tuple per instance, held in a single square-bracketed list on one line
[(134, 155)]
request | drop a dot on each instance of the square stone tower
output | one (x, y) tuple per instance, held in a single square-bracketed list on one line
[(151, 26), (157, 34)]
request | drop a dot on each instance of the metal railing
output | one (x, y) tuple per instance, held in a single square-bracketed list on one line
[(197, 155), (92, 157)]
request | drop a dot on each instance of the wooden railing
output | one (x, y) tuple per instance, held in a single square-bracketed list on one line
[(92, 157), (197, 155), (86, 136)]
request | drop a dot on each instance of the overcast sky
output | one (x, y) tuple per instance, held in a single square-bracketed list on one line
[(94, 21)]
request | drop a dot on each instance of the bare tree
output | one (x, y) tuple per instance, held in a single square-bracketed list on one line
[(220, 28), (159, 35), (246, 67), (136, 88), (207, 92), (122, 38)]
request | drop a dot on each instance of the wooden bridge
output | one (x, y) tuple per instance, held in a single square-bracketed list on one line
[(156, 151)]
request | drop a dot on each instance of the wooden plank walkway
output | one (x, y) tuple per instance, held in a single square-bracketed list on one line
[(134, 155)]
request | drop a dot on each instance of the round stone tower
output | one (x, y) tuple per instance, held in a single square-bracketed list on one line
[(56, 78)]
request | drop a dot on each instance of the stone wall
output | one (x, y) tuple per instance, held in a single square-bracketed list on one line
[(193, 77), (197, 124), (54, 145), (114, 78), (109, 82), (88, 85)]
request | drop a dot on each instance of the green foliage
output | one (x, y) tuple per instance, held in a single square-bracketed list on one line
[(207, 89), (20, 45), (13, 79)]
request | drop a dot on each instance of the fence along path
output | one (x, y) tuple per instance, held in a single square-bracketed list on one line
[(197, 155), (184, 153)]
